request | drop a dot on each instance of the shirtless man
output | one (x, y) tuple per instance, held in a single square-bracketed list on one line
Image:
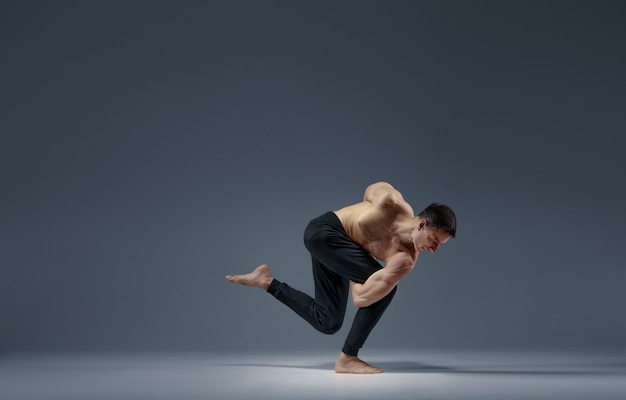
[(344, 246)]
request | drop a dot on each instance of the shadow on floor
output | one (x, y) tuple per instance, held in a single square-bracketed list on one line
[(396, 366), (411, 366)]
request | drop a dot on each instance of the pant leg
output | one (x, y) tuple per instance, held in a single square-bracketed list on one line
[(364, 321), (325, 313), (329, 244)]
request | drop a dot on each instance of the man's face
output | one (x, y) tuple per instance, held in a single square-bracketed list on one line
[(427, 239)]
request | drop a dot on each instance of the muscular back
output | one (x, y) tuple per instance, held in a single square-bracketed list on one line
[(381, 223)]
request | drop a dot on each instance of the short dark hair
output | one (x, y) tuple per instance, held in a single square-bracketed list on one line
[(440, 216)]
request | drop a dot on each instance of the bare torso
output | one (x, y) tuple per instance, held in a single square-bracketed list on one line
[(382, 232)]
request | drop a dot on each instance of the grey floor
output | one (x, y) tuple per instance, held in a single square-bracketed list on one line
[(307, 375)]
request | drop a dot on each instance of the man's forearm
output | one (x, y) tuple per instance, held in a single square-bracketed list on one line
[(382, 282), (375, 288)]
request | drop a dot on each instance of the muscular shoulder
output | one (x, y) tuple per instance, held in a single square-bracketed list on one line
[(383, 195)]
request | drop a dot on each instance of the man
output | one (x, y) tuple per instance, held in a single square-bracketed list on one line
[(344, 246)]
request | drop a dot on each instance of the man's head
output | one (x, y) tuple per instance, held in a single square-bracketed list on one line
[(435, 225), (439, 216)]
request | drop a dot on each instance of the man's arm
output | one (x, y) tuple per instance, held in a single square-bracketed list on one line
[(382, 282)]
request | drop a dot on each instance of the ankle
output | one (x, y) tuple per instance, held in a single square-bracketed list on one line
[(346, 357), (266, 283)]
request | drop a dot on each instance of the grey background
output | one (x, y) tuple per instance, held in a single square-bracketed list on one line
[(150, 148)]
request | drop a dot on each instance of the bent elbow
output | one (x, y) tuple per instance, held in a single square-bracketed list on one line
[(360, 302)]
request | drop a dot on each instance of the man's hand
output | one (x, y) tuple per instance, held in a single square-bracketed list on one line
[(382, 282)]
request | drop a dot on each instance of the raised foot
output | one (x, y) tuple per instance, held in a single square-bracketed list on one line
[(354, 365), (261, 277)]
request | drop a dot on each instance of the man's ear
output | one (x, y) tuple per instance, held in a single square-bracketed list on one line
[(422, 224)]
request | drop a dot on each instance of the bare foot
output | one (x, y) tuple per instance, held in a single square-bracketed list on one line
[(354, 365), (261, 277)]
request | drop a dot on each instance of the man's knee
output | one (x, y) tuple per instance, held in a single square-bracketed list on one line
[(326, 321), (329, 327), (315, 240)]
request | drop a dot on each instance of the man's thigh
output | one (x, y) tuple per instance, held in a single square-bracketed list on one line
[(337, 252)]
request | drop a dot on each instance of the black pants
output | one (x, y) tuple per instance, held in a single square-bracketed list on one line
[(337, 260)]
